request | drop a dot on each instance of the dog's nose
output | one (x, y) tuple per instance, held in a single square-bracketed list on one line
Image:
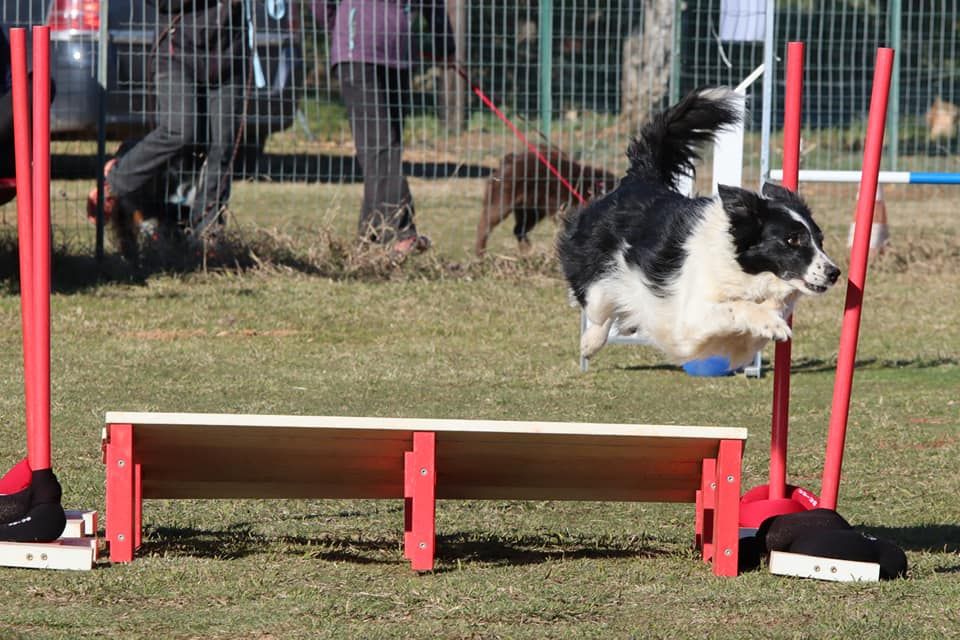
[(832, 273)]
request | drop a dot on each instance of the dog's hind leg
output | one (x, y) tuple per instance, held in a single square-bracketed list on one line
[(524, 221), (494, 212), (599, 312)]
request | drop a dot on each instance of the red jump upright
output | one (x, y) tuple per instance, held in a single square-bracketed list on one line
[(38, 438), (42, 518), (22, 152), (778, 498), (859, 253), (32, 150)]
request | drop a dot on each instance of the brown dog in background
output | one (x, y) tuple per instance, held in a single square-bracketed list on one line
[(942, 119), (523, 185)]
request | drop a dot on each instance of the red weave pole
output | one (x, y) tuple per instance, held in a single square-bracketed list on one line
[(21, 135), (38, 438), (857, 279), (781, 369), (503, 118)]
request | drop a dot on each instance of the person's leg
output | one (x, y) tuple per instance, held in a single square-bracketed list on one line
[(397, 82), (7, 168), (7, 160), (365, 94), (222, 109), (176, 118)]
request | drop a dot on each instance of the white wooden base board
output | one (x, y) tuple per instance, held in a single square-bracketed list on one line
[(50, 555), (76, 549), (802, 566)]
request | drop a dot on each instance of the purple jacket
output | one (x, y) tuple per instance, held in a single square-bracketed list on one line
[(378, 31)]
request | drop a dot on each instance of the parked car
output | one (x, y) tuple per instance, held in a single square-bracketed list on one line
[(75, 39)]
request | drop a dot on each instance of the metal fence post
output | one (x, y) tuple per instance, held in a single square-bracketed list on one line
[(102, 46), (546, 66), (676, 59), (894, 14), (769, 77)]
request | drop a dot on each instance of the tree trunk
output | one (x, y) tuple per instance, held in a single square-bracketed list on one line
[(646, 62), (455, 89)]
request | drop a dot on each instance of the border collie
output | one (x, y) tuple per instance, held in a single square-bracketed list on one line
[(695, 277)]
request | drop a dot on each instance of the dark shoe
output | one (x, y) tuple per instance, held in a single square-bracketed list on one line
[(413, 244), (109, 200)]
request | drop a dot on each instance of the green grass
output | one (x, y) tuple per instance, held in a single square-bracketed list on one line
[(446, 335)]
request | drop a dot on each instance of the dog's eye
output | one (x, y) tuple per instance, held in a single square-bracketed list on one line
[(794, 241)]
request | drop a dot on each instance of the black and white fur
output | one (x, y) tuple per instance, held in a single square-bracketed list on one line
[(696, 277)]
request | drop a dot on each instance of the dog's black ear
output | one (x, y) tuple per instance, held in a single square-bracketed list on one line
[(739, 202), (779, 193), (772, 191)]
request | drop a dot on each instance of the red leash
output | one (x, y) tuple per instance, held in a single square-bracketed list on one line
[(533, 148)]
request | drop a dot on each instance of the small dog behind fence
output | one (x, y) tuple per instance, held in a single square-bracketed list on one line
[(524, 186)]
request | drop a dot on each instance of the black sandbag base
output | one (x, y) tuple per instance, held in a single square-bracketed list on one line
[(822, 533), (44, 519)]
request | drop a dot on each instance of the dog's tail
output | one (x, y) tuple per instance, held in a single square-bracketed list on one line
[(668, 145)]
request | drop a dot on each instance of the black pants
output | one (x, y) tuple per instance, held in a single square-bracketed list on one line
[(376, 97), (189, 112), (7, 161), (7, 164)]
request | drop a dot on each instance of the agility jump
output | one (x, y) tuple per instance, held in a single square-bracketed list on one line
[(32, 518)]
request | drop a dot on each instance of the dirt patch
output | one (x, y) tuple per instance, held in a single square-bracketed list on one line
[(168, 335)]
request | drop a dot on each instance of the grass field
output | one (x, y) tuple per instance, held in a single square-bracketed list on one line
[(311, 331)]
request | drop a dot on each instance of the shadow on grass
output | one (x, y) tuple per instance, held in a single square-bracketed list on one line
[(74, 273), (527, 550), (240, 541), (326, 254), (818, 365), (650, 367), (932, 538)]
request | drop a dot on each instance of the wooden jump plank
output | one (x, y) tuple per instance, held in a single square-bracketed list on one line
[(190, 455), (422, 424), (254, 456)]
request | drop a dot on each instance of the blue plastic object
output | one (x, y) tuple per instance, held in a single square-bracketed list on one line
[(713, 366)]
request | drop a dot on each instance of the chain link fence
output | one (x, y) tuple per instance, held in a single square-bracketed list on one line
[(573, 78)]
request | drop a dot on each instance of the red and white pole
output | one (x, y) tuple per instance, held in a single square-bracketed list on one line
[(850, 331)]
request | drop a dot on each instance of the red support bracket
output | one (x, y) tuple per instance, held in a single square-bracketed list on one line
[(124, 498), (726, 522), (419, 492), (706, 503)]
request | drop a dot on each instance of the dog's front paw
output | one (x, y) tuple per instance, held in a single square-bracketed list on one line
[(775, 328)]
